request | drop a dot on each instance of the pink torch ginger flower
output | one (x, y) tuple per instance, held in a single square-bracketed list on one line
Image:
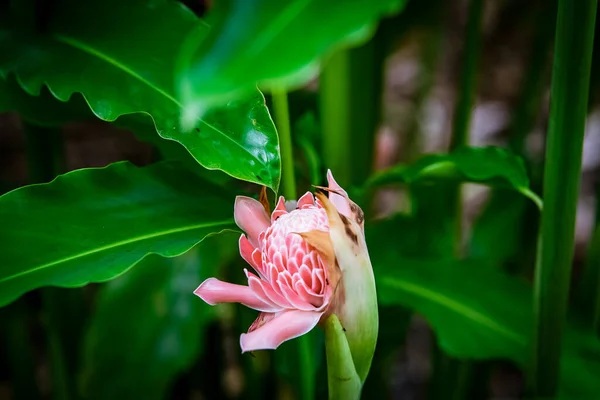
[(297, 278)]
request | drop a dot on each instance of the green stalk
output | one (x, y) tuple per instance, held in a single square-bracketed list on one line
[(343, 381), (350, 100), (282, 121), (529, 103), (334, 87), (468, 77), (568, 109)]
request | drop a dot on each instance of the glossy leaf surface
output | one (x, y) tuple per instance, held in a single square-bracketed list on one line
[(129, 68), (270, 42), (164, 337), (493, 166), (91, 225)]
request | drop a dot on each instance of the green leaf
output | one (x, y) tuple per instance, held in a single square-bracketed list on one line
[(270, 42), (129, 68), (164, 337), (43, 110), (470, 322), (490, 165), (91, 225), (477, 311)]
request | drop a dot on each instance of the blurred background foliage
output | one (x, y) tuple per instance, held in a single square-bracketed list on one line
[(454, 272)]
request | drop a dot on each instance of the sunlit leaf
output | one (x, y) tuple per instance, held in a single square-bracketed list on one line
[(270, 42), (121, 57), (493, 166)]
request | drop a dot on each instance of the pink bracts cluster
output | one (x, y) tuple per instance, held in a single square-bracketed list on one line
[(290, 285)]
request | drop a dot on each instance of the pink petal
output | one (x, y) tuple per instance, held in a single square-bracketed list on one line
[(214, 291), (340, 202), (251, 217), (306, 200), (263, 290), (252, 255), (279, 209), (284, 326)]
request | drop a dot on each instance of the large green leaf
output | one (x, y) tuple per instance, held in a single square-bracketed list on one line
[(489, 165), (46, 110), (91, 225), (477, 311), (138, 357), (270, 42), (121, 57)]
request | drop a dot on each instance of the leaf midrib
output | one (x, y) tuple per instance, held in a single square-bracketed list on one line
[(457, 307), (115, 63), (121, 243)]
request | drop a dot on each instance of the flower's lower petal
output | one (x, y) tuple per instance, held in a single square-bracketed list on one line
[(251, 217), (263, 290), (214, 291), (283, 326), (252, 255)]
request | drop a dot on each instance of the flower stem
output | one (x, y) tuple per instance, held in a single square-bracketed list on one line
[(350, 101), (343, 381), (468, 77), (282, 121), (530, 100), (335, 115), (568, 109)]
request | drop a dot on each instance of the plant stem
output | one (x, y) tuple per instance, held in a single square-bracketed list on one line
[(462, 115), (568, 109), (334, 87), (343, 381), (529, 102), (282, 120), (350, 96)]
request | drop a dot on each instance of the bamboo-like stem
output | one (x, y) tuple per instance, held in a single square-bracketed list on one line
[(282, 121), (350, 102), (335, 115), (529, 102), (568, 109), (468, 77)]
